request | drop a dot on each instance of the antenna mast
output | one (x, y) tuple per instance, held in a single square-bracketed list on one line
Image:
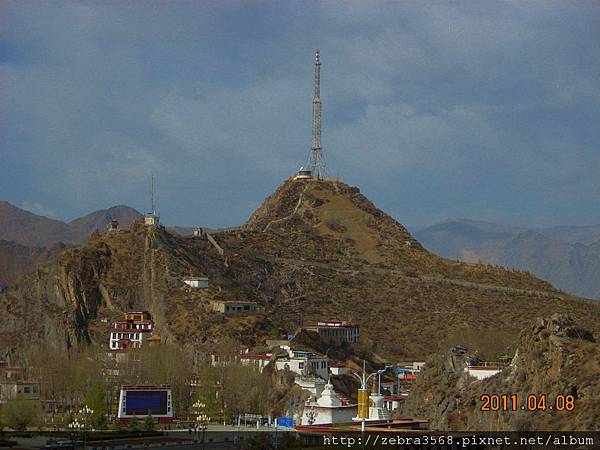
[(316, 161), (152, 201)]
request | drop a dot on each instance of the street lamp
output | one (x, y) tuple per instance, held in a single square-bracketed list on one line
[(364, 380), (85, 413), (75, 426), (201, 418)]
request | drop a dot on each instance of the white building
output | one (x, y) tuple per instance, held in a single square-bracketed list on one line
[(302, 362), (257, 361), (327, 409), (482, 372), (337, 369), (336, 332), (393, 402), (151, 220), (196, 282)]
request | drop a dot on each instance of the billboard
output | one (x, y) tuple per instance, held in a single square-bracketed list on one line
[(139, 401)]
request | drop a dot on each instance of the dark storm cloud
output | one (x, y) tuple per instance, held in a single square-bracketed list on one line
[(479, 109)]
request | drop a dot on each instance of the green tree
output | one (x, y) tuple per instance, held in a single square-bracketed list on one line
[(19, 413), (149, 422), (207, 391), (95, 398)]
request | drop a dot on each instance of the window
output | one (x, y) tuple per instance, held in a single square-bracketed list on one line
[(301, 365)]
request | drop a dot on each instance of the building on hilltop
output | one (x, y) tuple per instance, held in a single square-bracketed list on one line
[(336, 332), (113, 225), (131, 332)]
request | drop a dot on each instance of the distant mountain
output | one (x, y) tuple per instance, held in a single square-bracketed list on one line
[(26, 228), (29, 229), (568, 257), (27, 240), (82, 228)]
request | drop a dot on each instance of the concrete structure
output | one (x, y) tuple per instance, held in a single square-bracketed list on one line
[(151, 219), (304, 363), (23, 389), (131, 332), (482, 372), (327, 409), (336, 332), (312, 384), (14, 383), (303, 174), (390, 387), (337, 369), (196, 282), (392, 402), (258, 361), (234, 308), (276, 343), (113, 225)]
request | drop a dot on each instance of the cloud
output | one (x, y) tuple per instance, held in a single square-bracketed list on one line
[(464, 107)]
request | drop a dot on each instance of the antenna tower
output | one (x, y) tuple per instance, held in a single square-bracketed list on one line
[(152, 201), (316, 161)]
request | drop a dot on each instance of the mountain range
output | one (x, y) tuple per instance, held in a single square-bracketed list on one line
[(567, 256), (314, 250), (27, 239)]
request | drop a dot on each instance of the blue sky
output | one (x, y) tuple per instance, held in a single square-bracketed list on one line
[(486, 110)]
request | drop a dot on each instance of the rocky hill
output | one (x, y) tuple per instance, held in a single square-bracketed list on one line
[(314, 250), (555, 357), (17, 259), (27, 240), (569, 257)]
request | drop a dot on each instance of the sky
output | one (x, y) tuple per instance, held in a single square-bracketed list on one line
[(435, 110)]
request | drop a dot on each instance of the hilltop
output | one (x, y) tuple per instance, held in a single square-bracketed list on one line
[(314, 250)]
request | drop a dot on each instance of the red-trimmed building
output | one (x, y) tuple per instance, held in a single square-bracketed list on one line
[(131, 332)]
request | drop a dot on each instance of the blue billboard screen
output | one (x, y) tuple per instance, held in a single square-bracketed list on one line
[(146, 402)]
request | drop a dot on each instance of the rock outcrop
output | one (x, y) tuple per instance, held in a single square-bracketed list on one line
[(555, 358)]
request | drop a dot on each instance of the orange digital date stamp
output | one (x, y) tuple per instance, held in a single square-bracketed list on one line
[(532, 402)]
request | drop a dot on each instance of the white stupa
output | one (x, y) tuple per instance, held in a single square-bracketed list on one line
[(327, 409)]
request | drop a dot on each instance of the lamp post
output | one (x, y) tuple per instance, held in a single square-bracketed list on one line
[(85, 413), (364, 380), (201, 418), (75, 426)]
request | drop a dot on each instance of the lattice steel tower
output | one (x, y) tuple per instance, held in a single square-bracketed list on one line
[(316, 161)]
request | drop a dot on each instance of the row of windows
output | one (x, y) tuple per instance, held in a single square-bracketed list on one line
[(134, 336), (315, 364)]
